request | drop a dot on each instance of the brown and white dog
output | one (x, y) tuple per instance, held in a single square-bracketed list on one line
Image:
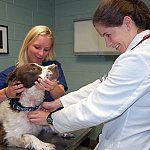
[(15, 129)]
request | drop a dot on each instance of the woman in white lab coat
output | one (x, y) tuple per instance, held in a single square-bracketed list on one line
[(122, 100)]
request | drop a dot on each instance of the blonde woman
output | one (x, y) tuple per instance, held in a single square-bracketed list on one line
[(37, 47)]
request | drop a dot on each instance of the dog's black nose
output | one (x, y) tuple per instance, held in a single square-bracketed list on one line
[(49, 75)]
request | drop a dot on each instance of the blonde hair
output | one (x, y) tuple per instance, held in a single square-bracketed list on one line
[(30, 37)]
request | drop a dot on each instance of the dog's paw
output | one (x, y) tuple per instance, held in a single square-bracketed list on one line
[(33, 142), (44, 146)]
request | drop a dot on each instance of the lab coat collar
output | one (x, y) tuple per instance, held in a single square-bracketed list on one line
[(137, 39)]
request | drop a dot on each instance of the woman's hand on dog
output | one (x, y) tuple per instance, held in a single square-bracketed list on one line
[(51, 106), (56, 90), (38, 117), (46, 84), (14, 90)]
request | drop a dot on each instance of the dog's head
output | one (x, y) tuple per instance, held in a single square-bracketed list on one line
[(29, 73)]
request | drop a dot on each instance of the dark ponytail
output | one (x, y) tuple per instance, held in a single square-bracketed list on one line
[(112, 12)]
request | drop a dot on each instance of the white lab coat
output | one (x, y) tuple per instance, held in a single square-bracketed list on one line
[(121, 102)]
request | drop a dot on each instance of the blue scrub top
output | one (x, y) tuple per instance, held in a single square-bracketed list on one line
[(61, 78)]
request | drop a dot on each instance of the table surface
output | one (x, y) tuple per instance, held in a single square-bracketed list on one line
[(60, 142)]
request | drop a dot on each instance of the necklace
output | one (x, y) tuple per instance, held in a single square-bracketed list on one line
[(144, 38)]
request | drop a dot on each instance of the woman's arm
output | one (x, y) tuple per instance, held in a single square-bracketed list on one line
[(3, 83), (58, 91), (3, 95), (71, 98), (83, 92)]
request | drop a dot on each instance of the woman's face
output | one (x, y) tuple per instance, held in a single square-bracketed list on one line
[(118, 38), (39, 49)]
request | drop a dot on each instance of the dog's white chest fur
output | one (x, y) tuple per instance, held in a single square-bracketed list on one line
[(31, 97), (19, 131), (16, 123)]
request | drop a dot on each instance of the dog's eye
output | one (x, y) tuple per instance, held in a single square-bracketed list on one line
[(33, 68)]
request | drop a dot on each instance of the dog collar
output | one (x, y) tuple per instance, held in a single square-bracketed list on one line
[(17, 106)]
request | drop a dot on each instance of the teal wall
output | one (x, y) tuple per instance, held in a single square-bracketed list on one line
[(20, 15), (79, 70)]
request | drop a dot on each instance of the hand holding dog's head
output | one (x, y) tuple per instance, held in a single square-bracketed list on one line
[(29, 73)]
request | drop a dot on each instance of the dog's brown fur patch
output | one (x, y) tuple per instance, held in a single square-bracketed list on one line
[(26, 74)]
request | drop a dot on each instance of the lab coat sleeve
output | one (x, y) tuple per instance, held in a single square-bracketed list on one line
[(123, 86), (76, 96)]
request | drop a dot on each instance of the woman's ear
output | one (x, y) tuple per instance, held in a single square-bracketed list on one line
[(128, 22)]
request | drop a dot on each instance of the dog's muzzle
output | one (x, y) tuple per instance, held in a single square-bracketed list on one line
[(49, 75)]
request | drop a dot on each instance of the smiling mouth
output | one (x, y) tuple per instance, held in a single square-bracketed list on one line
[(39, 58), (116, 47)]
